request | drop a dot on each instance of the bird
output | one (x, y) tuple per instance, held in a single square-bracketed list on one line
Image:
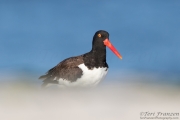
[(85, 70)]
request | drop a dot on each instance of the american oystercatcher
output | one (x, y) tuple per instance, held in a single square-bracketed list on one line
[(84, 70)]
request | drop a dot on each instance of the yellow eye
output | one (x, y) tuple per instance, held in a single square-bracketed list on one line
[(99, 35)]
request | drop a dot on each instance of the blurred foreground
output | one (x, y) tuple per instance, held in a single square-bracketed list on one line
[(118, 101)]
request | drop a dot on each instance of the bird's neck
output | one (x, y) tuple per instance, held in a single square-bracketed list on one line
[(99, 54), (95, 58)]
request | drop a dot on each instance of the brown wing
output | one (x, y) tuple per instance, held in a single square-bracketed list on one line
[(67, 69)]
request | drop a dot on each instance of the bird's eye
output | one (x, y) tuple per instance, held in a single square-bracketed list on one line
[(99, 35)]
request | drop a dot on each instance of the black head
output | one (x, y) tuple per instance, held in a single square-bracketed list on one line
[(99, 37), (100, 41)]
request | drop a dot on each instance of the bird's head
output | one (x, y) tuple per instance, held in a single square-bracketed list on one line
[(101, 39)]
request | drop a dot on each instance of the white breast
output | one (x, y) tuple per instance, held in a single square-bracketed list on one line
[(89, 78)]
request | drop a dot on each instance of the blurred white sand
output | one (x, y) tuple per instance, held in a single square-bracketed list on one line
[(121, 101)]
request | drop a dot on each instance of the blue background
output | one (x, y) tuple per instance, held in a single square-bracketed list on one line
[(37, 35)]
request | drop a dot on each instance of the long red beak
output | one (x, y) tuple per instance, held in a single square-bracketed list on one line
[(112, 48)]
